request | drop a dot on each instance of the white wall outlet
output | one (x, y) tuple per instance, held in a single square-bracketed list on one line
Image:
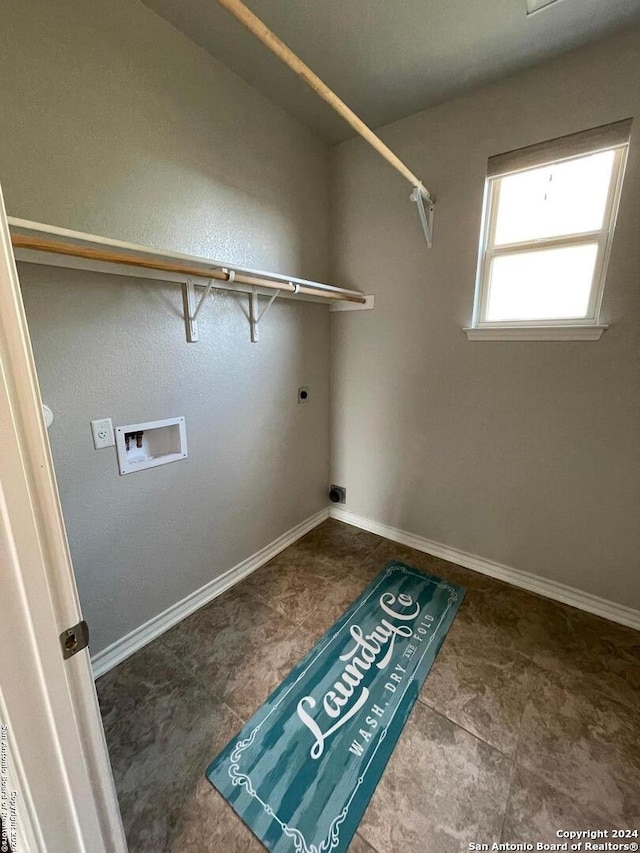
[(102, 433)]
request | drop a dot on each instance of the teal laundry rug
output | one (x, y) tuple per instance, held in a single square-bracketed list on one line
[(302, 770)]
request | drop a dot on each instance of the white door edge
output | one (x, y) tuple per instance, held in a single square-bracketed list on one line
[(66, 796)]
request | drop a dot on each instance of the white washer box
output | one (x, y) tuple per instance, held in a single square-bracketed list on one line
[(161, 442)]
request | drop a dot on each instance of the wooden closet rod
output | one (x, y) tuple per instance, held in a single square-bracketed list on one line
[(275, 45), (25, 241)]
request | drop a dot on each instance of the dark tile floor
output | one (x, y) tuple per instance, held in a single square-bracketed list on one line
[(528, 723)]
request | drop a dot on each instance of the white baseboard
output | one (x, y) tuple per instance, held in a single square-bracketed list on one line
[(534, 583), (114, 654)]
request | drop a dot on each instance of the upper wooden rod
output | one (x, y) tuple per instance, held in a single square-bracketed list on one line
[(58, 247), (275, 45)]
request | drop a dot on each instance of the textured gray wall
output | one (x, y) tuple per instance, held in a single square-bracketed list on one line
[(114, 123), (524, 453)]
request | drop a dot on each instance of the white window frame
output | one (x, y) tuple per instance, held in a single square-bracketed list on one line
[(588, 327)]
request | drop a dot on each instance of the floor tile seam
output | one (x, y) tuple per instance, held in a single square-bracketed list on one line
[(267, 603), (521, 763), (507, 802), (264, 600), (583, 642), (139, 749), (238, 716), (431, 707), (506, 755), (279, 613), (525, 705), (157, 773), (628, 705), (175, 656), (529, 655), (227, 700), (324, 582), (633, 663), (305, 621), (362, 838), (131, 756), (471, 604), (512, 651), (594, 687), (155, 780), (353, 575), (532, 686), (237, 586), (195, 677), (226, 696), (601, 814)]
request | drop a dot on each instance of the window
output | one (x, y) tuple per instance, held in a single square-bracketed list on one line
[(549, 215)]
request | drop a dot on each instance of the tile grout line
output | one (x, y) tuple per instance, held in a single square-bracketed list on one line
[(593, 681), (234, 712), (362, 838), (518, 765), (195, 677), (462, 728), (524, 711), (515, 765), (507, 801)]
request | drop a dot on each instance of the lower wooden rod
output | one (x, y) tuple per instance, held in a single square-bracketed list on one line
[(57, 247)]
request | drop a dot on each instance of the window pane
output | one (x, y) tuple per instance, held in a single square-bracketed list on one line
[(548, 284), (562, 198)]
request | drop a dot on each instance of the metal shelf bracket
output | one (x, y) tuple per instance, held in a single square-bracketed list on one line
[(189, 300), (255, 316), (426, 208)]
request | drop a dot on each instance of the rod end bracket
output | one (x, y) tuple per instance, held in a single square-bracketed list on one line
[(426, 209)]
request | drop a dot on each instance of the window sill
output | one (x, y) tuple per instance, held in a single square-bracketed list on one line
[(536, 333)]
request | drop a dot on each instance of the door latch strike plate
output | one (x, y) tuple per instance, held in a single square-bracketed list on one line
[(74, 639)]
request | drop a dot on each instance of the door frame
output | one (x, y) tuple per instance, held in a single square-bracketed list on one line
[(58, 759)]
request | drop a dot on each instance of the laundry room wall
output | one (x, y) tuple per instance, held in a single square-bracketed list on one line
[(113, 123), (524, 454)]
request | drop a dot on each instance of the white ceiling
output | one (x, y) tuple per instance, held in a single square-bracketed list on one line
[(390, 58)]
